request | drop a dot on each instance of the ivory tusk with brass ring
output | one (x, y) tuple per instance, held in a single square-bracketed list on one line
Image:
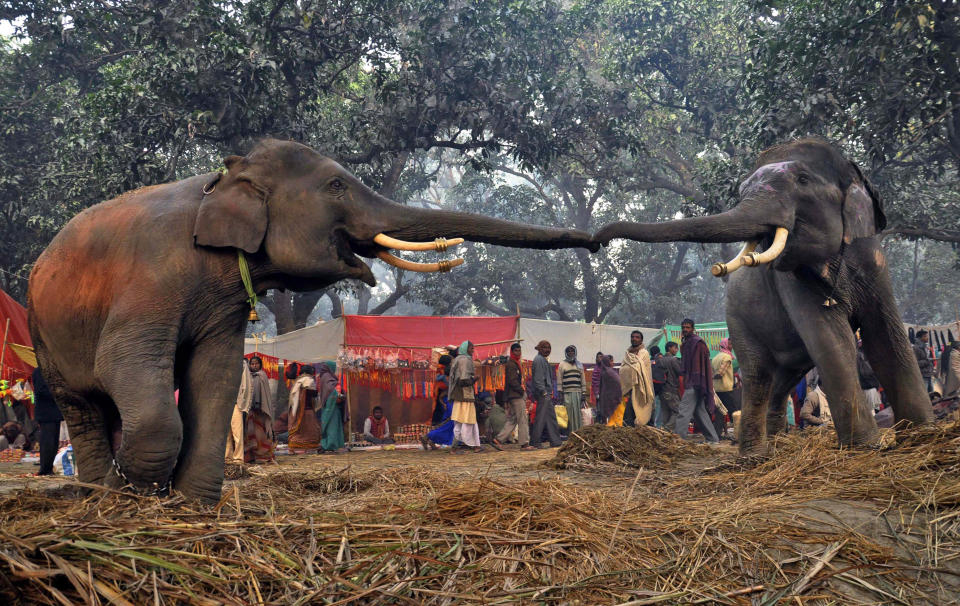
[(753, 259), (442, 266), (723, 269), (439, 245)]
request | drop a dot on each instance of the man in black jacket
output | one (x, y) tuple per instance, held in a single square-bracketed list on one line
[(516, 398), (48, 417)]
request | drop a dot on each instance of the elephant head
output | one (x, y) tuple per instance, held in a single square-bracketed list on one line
[(312, 218), (802, 203)]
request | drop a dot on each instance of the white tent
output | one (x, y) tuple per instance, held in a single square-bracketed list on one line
[(588, 338), (312, 344)]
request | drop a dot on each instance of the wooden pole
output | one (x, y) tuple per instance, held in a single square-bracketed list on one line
[(3, 352)]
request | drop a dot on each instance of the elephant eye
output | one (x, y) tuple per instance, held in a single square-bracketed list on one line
[(803, 179), (337, 185)]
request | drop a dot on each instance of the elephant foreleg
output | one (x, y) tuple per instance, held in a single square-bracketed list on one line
[(830, 342), (888, 350), (208, 394)]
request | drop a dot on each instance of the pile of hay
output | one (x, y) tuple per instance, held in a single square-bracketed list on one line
[(414, 536), (622, 446)]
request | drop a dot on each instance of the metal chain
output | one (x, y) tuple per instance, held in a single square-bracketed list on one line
[(158, 490)]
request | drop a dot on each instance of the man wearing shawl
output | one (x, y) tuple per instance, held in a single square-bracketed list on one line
[(636, 380), (546, 416), (303, 427), (610, 398), (723, 384), (516, 398), (259, 445), (697, 401), (331, 413), (235, 438), (464, 415), (573, 385)]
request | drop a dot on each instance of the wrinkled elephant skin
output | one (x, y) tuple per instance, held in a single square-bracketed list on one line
[(142, 295)]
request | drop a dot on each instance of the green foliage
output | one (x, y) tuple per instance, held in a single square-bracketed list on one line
[(570, 114)]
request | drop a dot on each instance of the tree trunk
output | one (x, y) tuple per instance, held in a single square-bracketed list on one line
[(591, 298)]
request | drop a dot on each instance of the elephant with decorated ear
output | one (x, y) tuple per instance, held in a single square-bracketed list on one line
[(811, 273), (145, 294)]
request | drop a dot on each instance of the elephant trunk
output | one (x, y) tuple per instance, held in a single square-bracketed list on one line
[(737, 225), (747, 222), (418, 224)]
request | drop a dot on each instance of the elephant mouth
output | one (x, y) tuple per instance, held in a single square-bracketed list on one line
[(346, 248), (750, 258)]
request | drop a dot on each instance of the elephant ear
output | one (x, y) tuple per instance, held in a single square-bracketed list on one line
[(234, 213), (862, 209)]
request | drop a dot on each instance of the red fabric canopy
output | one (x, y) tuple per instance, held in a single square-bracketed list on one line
[(13, 366), (361, 332)]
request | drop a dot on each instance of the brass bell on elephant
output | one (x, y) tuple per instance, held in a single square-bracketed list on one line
[(253, 317)]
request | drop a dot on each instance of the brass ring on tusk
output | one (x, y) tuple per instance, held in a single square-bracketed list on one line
[(779, 243), (442, 266), (722, 269), (439, 245)]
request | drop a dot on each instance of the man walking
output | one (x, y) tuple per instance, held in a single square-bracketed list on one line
[(922, 351), (516, 400), (546, 417), (670, 392), (48, 416), (697, 401), (636, 382)]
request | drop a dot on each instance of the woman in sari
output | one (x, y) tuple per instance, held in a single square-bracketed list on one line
[(303, 427), (466, 432), (259, 444), (330, 414)]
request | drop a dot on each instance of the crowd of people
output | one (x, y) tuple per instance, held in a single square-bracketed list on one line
[(687, 393), (648, 387)]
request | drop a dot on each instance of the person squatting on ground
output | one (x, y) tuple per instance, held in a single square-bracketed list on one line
[(697, 401), (572, 381), (516, 399), (636, 382), (462, 380), (816, 410), (376, 428), (546, 417)]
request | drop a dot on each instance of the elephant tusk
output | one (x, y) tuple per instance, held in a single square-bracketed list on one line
[(779, 242), (441, 266), (439, 245), (723, 269)]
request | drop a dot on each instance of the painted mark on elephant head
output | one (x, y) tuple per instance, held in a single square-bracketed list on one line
[(761, 178)]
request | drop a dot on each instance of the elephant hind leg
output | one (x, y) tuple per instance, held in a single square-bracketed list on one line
[(89, 424), (784, 381)]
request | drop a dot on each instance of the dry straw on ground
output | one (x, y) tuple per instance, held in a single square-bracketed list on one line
[(812, 522)]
